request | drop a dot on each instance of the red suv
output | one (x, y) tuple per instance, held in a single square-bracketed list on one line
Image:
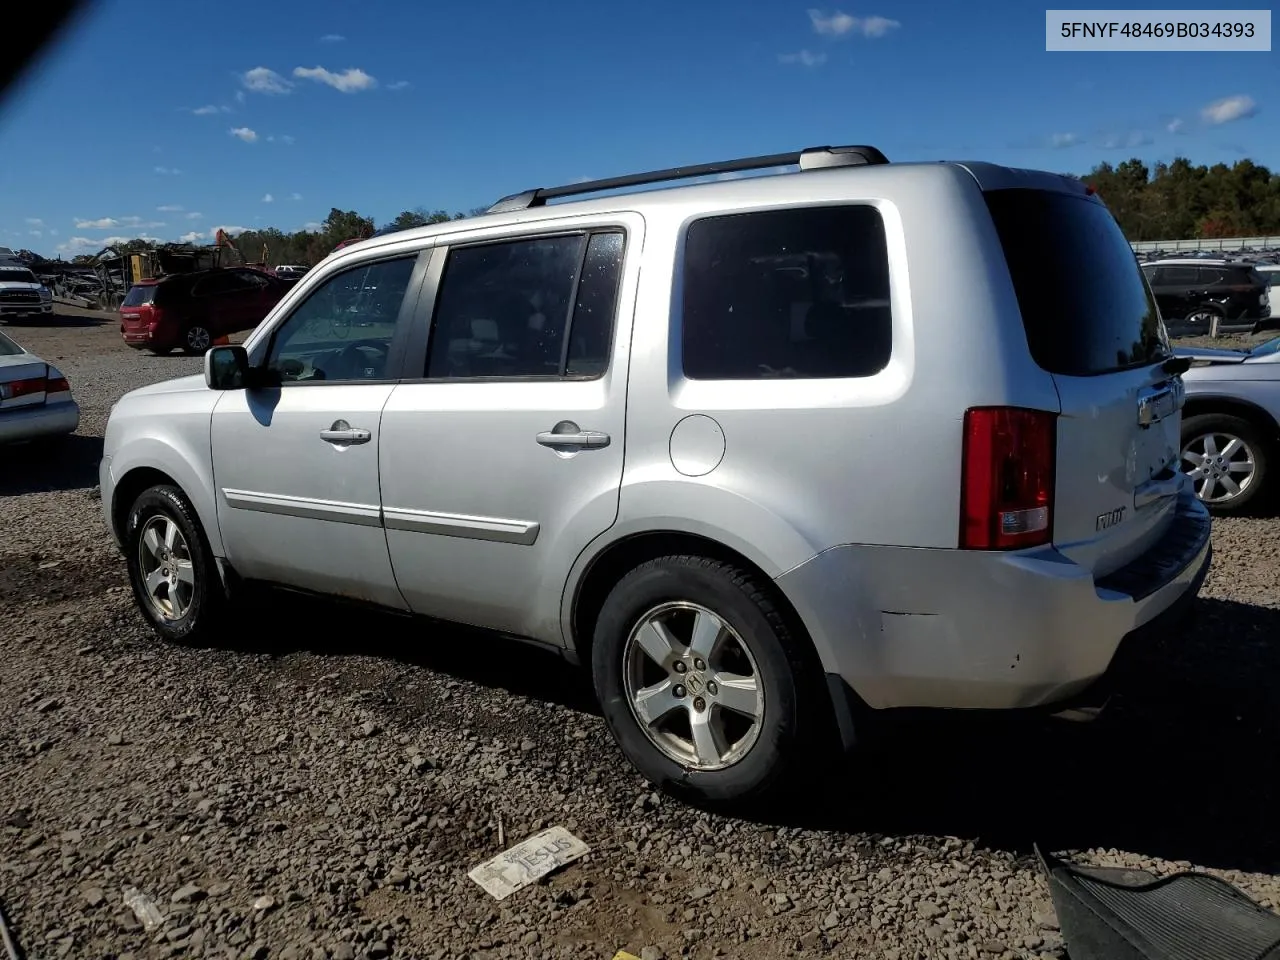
[(191, 310)]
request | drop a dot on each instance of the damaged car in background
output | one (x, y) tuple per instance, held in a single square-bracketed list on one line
[(1231, 425)]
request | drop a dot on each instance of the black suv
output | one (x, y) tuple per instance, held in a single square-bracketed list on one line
[(1191, 292)]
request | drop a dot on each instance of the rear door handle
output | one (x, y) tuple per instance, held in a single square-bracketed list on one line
[(343, 433), (573, 438)]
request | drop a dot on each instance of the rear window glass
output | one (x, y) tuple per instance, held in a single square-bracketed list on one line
[(801, 293), (140, 294), (16, 275), (8, 348), (1084, 306)]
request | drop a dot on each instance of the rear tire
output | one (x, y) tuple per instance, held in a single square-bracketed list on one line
[(691, 743), (1238, 452), (172, 570), (196, 340)]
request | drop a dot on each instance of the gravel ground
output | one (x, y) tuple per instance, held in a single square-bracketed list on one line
[(323, 791)]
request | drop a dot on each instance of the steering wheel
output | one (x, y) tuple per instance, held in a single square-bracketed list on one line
[(352, 359)]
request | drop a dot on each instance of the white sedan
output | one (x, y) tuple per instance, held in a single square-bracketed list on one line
[(35, 398)]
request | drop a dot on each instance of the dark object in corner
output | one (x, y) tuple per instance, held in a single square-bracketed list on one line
[(1118, 914)]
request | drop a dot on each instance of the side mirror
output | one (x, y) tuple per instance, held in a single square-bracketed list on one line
[(226, 368)]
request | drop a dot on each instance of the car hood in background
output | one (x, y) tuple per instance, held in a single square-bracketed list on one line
[(1211, 355)]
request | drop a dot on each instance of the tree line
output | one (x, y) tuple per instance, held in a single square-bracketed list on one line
[(1173, 201), (1182, 201)]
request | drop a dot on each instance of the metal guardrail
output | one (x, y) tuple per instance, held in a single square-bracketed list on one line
[(1222, 243)]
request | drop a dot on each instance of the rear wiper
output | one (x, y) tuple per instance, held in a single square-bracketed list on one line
[(1176, 365)]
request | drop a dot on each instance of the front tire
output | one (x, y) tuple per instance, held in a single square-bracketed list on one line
[(171, 567), (1227, 460), (702, 682)]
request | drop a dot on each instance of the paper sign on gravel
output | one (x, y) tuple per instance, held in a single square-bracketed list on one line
[(528, 861)]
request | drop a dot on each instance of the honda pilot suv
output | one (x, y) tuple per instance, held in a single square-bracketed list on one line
[(771, 457)]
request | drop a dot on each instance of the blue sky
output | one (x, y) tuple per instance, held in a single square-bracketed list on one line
[(185, 117)]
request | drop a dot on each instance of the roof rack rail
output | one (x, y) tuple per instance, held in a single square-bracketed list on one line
[(811, 158)]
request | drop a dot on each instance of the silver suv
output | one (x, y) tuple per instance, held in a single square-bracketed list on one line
[(772, 455)]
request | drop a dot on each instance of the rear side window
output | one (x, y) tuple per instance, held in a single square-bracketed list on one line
[(537, 307), (801, 293), (1177, 276), (1084, 306), (140, 294)]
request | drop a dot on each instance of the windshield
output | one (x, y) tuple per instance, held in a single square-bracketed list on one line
[(8, 348), (16, 275)]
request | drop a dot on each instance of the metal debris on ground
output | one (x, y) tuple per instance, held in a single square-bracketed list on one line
[(528, 861), (144, 909), (10, 948)]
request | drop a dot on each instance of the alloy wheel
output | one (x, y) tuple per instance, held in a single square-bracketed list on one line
[(164, 563), (693, 686), (1221, 466)]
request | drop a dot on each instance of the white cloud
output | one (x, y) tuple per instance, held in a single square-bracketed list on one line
[(350, 80), (109, 223), (265, 80), (244, 133), (841, 24), (1125, 141), (332, 38), (228, 230), (239, 96), (806, 58), (1174, 125), (1228, 109), (77, 245), (295, 196), (399, 85), (192, 237), (168, 171), (36, 233), (194, 215), (112, 241), (1059, 140), (35, 222), (285, 139), (210, 109), (170, 208), (313, 226), (268, 198)]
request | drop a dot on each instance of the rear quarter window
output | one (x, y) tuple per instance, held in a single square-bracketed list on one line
[(800, 293), (1084, 306)]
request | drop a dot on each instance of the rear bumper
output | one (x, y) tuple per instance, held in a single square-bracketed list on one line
[(32, 423), (955, 629)]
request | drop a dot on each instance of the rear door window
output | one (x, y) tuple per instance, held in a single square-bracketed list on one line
[(1177, 276), (1084, 306)]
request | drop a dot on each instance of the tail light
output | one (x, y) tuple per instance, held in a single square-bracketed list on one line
[(58, 385), (25, 388), (1006, 498)]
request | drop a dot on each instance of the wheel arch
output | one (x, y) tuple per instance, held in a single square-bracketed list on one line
[(1200, 404), (148, 461), (612, 562)]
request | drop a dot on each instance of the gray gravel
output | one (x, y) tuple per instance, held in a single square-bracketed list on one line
[(321, 790)]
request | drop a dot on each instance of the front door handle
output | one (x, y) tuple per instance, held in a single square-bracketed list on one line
[(343, 433), (567, 434)]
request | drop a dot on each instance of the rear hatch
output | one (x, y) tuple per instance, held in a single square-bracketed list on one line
[(1092, 323), (137, 311)]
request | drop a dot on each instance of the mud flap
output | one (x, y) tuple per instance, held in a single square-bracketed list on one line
[(1118, 914)]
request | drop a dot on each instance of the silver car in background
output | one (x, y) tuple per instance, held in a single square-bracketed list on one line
[(1231, 425), (35, 398), (771, 456)]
